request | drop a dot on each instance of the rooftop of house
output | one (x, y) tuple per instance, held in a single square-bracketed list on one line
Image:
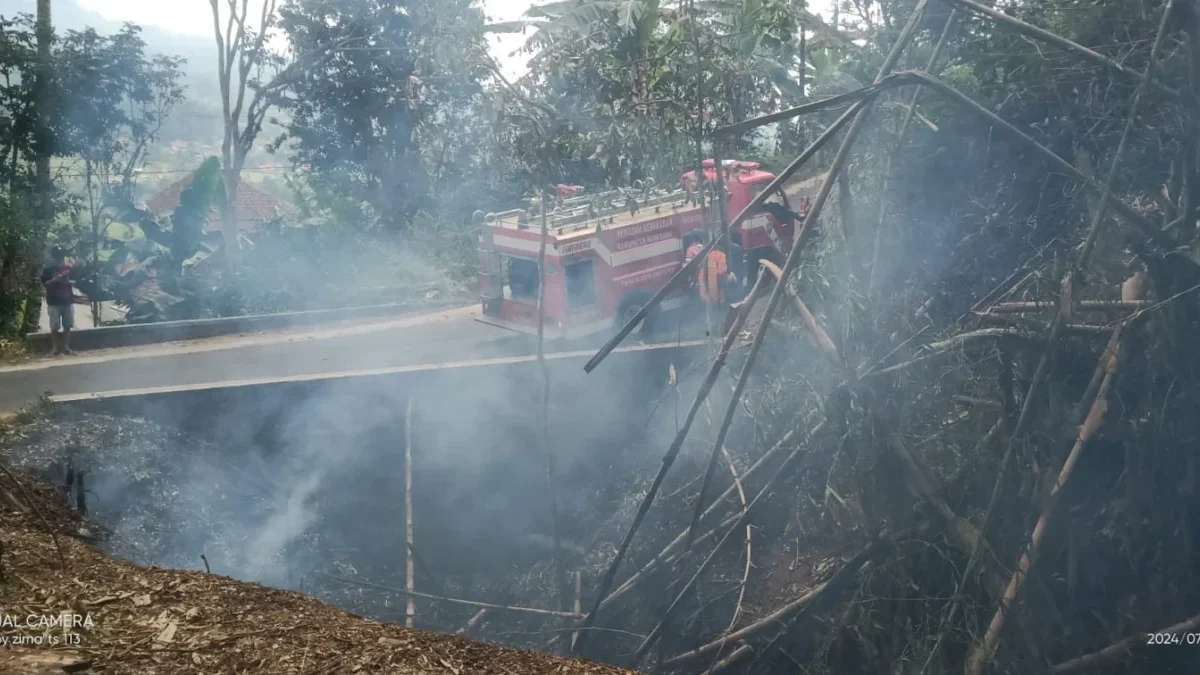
[(253, 206)]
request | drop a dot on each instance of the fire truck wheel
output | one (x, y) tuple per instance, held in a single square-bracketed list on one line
[(631, 304)]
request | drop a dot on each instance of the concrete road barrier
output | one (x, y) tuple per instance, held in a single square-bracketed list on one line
[(129, 335)]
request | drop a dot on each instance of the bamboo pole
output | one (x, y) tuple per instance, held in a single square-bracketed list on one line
[(666, 555), (690, 267), (901, 135), (741, 521), (1086, 305), (980, 656), (452, 601), (816, 332), (559, 563), (801, 238), (409, 571), (983, 653), (774, 619), (472, 622), (668, 460), (737, 610), (578, 604)]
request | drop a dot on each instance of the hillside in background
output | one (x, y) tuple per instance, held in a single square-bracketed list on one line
[(193, 132)]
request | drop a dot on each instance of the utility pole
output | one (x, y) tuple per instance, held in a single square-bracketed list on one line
[(43, 197)]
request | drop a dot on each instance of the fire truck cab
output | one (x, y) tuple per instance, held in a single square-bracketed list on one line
[(608, 254)]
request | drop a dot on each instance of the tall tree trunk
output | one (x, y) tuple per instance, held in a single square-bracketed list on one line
[(229, 230), (89, 176), (44, 204)]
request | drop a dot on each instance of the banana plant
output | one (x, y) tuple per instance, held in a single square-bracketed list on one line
[(152, 275)]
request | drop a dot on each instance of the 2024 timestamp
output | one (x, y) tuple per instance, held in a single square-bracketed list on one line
[(1173, 638)]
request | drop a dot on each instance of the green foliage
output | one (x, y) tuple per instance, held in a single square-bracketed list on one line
[(618, 90), (196, 202), (107, 103), (398, 70)]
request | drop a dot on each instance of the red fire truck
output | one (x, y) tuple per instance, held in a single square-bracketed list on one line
[(607, 254)]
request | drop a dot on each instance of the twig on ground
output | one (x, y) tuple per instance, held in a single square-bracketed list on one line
[(453, 601), (62, 559)]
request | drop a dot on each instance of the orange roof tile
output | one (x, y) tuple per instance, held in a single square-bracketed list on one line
[(253, 205)]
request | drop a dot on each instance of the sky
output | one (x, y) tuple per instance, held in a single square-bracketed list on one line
[(194, 17)]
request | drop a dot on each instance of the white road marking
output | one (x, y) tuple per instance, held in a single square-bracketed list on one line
[(508, 360), (225, 342)]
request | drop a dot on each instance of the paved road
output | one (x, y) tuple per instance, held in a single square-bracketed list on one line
[(446, 336)]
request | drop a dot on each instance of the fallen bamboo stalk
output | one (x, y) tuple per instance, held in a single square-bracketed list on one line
[(798, 245), (1086, 305), (1035, 384), (560, 567), (980, 656), (1020, 321), (475, 618), (838, 101), (578, 603), (409, 571), (960, 531), (740, 315), (1123, 648), (737, 609), (839, 579), (934, 349), (818, 335), (729, 661), (668, 460), (712, 556), (983, 653), (666, 554), (452, 601)]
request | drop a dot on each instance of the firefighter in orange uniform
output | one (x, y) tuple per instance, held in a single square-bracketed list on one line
[(713, 274)]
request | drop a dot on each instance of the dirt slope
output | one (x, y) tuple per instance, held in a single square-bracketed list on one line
[(150, 620)]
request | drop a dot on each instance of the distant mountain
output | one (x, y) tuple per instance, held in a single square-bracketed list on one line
[(201, 53), (198, 119)]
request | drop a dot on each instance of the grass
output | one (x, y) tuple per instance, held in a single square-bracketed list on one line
[(10, 422), (14, 351)]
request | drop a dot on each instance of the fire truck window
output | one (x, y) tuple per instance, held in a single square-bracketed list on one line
[(523, 278), (581, 287)]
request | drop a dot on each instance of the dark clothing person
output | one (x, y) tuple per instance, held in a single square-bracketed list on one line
[(57, 280), (60, 301)]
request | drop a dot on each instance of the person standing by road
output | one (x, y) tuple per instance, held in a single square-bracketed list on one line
[(60, 300)]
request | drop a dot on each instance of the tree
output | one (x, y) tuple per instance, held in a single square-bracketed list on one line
[(118, 104), (357, 116), (632, 81), (242, 62), (44, 209)]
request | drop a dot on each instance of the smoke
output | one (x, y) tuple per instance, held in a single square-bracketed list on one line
[(273, 482)]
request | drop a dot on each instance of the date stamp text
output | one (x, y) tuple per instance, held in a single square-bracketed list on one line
[(1173, 639)]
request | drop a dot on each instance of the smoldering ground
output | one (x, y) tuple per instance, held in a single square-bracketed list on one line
[(282, 484)]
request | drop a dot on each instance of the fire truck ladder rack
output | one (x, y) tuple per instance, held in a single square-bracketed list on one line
[(578, 213), (604, 206)]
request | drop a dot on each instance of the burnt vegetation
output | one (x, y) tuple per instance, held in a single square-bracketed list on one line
[(955, 432)]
